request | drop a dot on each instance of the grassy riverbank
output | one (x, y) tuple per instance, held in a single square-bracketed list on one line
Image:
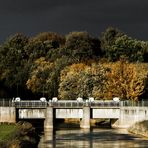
[(6, 131), (7, 134), (18, 135)]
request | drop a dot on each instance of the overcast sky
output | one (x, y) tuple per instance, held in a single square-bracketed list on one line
[(62, 16)]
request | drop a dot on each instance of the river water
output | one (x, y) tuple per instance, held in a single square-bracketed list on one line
[(91, 138)]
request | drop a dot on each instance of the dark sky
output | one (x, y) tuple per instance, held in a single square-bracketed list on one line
[(62, 16)]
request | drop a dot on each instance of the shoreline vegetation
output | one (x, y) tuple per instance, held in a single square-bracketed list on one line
[(21, 134), (74, 65), (140, 128)]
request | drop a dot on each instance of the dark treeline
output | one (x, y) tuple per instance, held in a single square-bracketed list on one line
[(31, 67)]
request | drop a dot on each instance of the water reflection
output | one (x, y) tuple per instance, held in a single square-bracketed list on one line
[(85, 138)]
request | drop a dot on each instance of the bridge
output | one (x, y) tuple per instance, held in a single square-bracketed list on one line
[(121, 114)]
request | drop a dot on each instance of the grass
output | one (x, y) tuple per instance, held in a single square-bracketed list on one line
[(12, 135), (6, 131)]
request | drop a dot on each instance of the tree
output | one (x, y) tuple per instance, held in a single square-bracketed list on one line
[(13, 57), (55, 39), (37, 49), (131, 50), (79, 80), (44, 77), (117, 45), (109, 36), (125, 80), (39, 81), (82, 45)]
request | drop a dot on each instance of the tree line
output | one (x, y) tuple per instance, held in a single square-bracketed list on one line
[(74, 65)]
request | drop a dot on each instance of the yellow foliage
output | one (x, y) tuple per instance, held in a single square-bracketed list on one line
[(73, 69), (125, 80), (36, 81), (79, 80)]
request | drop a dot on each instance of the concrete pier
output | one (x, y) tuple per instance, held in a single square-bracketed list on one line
[(49, 116), (85, 122)]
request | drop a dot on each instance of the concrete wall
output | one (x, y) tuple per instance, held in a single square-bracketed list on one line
[(130, 115), (121, 118), (60, 113), (31, 113), (8, 114), (106, 113), (69, 113)]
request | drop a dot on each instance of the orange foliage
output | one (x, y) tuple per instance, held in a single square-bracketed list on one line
[(125, 80)]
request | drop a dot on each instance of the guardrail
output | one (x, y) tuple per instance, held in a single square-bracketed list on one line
[(70, 103), (134, 103), (76, 104), (67, 104), (104, 104), (30, 104)]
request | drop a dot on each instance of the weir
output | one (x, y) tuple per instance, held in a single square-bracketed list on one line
[(121, 114)]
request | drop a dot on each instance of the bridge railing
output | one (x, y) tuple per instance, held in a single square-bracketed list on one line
[(98, 103), (6, 103), (77, 104), (134, 103), (30, 104), (66, 104), (70, 103)]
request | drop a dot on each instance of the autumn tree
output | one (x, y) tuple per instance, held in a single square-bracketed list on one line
[(44, 76), (39, 81), (125, 80), (80, 80)]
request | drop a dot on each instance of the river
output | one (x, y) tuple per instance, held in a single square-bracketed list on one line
[(93, 138)]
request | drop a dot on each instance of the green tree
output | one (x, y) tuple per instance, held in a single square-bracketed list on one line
[(54, 39), (82, 45), (109, 36), (13, 58), (117, 45)]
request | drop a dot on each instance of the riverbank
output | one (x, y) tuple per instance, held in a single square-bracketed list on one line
[(140, 128), (18, 135)]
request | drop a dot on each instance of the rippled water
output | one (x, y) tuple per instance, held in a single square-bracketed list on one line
[(94, 138)]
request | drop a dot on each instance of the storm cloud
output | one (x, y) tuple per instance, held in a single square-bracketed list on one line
[(62, 16)]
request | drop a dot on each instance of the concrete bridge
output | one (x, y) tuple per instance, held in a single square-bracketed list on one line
[(121, 114)]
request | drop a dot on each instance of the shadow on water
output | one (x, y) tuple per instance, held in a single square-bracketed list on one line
[(69, 135), (90, 138)]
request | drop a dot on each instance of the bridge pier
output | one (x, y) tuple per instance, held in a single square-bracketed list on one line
[(48, 122), (85, 122)]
